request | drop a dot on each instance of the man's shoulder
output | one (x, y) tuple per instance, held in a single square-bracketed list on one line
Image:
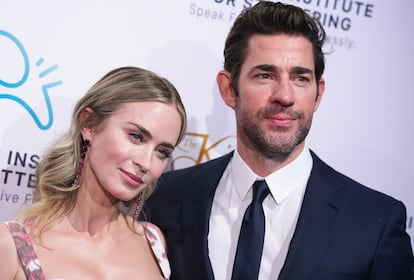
[(349, 185)]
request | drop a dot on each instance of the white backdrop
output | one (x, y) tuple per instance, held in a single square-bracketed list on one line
[(51, 52)]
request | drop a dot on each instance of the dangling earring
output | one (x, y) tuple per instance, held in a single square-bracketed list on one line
[(139, 199), (85, 145)]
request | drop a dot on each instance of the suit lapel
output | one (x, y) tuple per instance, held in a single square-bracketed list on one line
[(322, 211), (195, 216)]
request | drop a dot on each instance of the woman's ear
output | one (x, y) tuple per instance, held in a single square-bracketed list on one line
[(225, 87), (86, 130)]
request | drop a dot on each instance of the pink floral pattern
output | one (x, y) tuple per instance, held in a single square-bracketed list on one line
[(158, 249), (31, 264), (25, 251)]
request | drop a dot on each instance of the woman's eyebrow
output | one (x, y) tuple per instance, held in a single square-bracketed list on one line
[(148, 134)]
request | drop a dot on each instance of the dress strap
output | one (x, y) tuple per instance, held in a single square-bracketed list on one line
[(158, 249), (27, 255)]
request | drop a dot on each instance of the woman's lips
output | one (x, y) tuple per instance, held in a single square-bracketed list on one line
[(132, 179)]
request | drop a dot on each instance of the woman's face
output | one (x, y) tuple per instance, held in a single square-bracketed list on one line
[(131, 149)]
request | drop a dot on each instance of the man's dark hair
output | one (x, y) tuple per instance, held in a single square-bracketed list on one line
[(269, 18)]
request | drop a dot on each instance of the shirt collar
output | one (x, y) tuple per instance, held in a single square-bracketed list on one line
[(281, 183)]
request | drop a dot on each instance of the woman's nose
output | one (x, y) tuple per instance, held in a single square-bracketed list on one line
[(142, 159)]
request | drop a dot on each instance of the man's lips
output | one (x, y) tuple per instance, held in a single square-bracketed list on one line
[(280, 119)]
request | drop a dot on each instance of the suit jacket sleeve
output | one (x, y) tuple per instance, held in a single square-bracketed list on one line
[(394, 258)]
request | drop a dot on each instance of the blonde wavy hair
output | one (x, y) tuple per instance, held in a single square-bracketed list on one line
[(55, 192)]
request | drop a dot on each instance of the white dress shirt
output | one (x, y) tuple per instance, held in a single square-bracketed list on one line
[(281, 208)]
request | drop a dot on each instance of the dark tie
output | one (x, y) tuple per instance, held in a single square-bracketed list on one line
[(250, 245)]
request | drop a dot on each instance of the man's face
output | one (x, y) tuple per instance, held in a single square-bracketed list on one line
[(277, 94)]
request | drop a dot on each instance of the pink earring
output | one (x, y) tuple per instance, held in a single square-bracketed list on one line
[(85, 145), (139, 199)]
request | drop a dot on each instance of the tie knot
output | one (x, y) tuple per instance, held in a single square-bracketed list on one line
[(260, 191)]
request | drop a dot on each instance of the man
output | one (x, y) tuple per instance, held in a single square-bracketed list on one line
[(318, 223)]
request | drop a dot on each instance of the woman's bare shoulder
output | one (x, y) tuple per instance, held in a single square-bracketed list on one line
[(8, 254), (6, 241)]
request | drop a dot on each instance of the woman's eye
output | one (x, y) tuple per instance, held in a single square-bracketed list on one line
[(164, 154), (136, 136)]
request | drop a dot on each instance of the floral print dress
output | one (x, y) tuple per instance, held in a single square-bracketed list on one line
[(31, 264)]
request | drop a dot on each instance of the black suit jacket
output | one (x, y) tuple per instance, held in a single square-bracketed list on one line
[(344, 230)]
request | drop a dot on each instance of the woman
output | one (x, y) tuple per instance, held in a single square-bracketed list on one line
[(121, 135)]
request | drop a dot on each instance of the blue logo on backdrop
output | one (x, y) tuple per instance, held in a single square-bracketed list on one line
[(13, 88)]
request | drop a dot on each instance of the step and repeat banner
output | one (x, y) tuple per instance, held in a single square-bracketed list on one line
[(51, 52)]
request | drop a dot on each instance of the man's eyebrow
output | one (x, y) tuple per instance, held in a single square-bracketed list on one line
[(265, 67), (301, 70), (148, 134), (274, 68)]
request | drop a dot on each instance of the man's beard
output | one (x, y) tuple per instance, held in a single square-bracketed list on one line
[(279, 144)]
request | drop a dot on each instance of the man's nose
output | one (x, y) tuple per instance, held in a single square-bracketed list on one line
[(283, 93)]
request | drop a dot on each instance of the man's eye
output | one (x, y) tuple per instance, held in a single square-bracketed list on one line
[(302, 79), (264, 76)]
